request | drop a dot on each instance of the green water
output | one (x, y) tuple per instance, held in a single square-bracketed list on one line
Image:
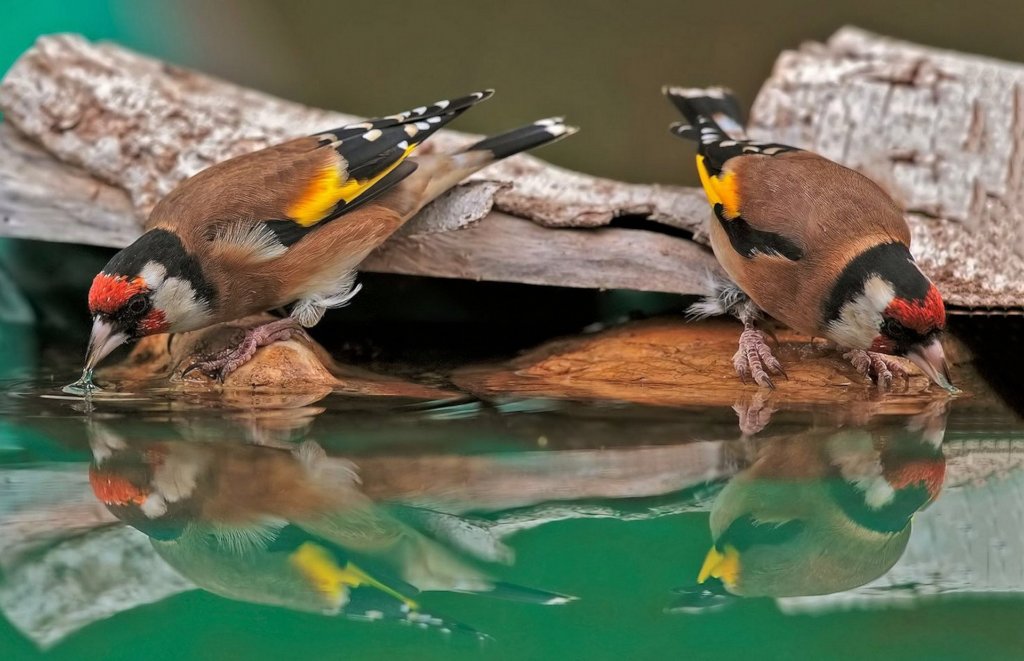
[(616, 505), (907, 530)]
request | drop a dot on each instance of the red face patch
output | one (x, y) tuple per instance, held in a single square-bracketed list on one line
[(921, 316), (153, 323), (113, 489), (929, 473), (110, 292), (883, 344)]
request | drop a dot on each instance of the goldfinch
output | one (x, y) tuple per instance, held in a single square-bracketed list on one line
[(284, 226), (817, 515), (290, 526), (816, 245)]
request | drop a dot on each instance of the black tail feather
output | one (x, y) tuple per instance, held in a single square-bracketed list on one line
[(539, 133), (714, 103)]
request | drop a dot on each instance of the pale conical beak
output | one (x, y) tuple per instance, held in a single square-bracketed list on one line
[(103, 340), (931, 359)]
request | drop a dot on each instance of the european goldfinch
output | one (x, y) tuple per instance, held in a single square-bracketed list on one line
[(289, 526), (818, 514), (284, 226), (816, 245)]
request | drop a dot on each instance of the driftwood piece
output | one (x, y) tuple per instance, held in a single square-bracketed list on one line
[(941, 130), (667, 362), (140, 125), (289, 374)]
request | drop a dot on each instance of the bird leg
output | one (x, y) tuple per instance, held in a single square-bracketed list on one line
[(222, 363), (878, 367), (754, 357)]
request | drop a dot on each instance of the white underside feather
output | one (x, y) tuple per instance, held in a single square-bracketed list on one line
[(308, 311)]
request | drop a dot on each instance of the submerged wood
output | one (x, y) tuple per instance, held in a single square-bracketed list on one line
[(294, 373), (119, 130), (669, 362)]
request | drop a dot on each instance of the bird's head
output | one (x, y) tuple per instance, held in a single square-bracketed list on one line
[(128, 480), (882, 302), (152, 286)]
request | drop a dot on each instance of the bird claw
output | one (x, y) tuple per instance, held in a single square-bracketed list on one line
[(754, 412), (754, 359), (221, 364), (882, 370)]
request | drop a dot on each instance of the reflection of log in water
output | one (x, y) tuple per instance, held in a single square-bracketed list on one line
[(108, 570)]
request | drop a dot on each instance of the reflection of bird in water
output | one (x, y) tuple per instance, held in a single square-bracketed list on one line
[(817, 514), (292, 528)]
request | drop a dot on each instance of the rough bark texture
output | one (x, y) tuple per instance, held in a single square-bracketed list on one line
[(942, 130), (143, 126)]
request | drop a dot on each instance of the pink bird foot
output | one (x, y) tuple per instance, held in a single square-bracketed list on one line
[(878, 367), (754, 359), (222, 363)]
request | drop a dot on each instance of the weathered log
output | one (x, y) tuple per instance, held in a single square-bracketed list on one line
[(940, 129), (140, 125), (943, 131)]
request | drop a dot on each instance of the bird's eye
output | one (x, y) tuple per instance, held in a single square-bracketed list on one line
[(138, 304)]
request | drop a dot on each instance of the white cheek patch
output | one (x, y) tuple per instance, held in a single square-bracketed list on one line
[(153, 274), (154, 506), (860, 318), (879, 293), (182, 307)]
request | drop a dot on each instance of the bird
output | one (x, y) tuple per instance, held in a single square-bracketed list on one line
[(818, 513), (815, 245), (288, 525), (284, 228)]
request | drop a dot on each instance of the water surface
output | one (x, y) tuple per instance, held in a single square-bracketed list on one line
[(169, 526)]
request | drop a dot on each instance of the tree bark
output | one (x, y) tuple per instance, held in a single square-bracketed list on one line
[(942, 131)]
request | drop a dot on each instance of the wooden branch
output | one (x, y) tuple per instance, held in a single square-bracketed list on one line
[(498, 247), (941, 130)]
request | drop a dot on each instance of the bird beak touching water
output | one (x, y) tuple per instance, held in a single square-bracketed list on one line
[(103, 340), (931, 359)]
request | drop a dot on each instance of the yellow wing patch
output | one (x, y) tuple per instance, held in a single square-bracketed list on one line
[(317, 565), (721, 189), (329, 188), (724, 566)]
